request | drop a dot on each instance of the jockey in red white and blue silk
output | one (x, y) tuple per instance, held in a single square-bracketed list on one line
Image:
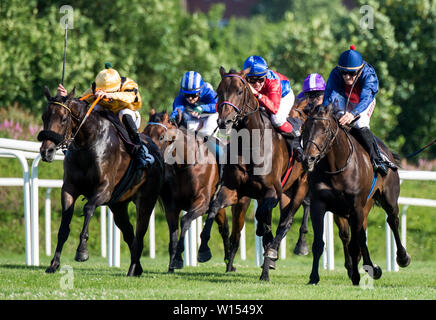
[(197, 101), (273, 90), (361, 100)]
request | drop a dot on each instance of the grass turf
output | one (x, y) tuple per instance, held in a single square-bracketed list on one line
[(95, 280)]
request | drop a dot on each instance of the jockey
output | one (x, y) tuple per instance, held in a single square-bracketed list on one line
[(121, 97), (313, 90), (197, 101), (275, 95), (353, 85)]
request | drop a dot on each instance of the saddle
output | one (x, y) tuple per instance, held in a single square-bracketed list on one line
[(131, 174)]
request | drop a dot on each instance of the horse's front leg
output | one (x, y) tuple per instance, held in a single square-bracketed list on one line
[(301, 247), (317, 211), (224, 198), (238, 219), (68, 200), (88, 211)]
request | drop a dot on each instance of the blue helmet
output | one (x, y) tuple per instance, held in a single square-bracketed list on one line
[(258, 66), (191, 82), (350, 60)]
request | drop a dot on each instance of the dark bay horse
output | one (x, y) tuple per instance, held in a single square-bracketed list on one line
[(95, 163), (189, 184), (257, 176), (300, 110), (342, 181)]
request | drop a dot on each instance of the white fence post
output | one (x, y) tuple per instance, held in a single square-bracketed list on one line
[(152, 235), (26, 190), (242, 244), (103, 231), (47, 220)]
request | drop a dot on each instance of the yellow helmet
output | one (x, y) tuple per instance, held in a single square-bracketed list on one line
[(109, 79)]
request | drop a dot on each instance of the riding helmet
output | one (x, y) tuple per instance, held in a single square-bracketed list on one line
[(313, 82), (258, 66), (191, 82), (350, 60), (108, 79)]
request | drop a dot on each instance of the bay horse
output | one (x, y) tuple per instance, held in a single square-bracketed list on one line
[(189, 186), (239, 110), (300, 110), (95, 162), (341, 180)]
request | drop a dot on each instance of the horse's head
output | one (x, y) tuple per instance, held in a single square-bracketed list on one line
[(57, 119), (160, 129), (319, 132), (235, 99)]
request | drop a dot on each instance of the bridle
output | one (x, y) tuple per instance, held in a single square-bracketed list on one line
[(241, 113), (328, 142), (62, 142)]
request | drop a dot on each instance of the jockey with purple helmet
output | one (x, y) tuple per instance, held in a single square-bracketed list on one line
[(274, 93), (352, 86), (197, 101), (313, 89)]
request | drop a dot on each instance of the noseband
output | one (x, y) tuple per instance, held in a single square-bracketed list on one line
[(240, 113)]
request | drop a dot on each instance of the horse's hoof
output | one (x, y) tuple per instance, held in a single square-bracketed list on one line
[(204, 256), (230, 268), (404, 262), (301, 249), (271, 254), (355, 279), (51, 269), (177, 263), (135, 270), (272, 264), (374, 272), (313, 282), (81, 256), (170, 270), (264, 277)]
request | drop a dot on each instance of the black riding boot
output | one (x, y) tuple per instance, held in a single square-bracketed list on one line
[(140, 153), (294, 145), (366, 139)]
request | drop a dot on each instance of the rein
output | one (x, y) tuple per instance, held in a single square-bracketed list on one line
[(62, 142)]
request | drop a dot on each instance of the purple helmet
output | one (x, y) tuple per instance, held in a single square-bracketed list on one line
[(313, 82)]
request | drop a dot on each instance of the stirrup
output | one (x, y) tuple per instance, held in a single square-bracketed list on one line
[(380, 167)]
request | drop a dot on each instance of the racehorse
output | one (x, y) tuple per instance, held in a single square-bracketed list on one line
[(275, 178), (341, 180), (95, 162), (189, 186)]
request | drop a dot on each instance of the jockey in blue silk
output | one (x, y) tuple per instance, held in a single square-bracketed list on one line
[(352, 86), (197, 101)]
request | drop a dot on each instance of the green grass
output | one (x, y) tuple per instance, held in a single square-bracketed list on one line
[(95, 280)]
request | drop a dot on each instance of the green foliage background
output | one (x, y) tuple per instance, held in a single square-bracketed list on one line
[(155, 42)]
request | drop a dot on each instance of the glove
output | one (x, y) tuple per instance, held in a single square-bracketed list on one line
[(199, 110), (296, 125)]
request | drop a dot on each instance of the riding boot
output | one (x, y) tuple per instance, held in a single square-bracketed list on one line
[(293, 144), (291, 133), (140, 153), (366, 139)]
